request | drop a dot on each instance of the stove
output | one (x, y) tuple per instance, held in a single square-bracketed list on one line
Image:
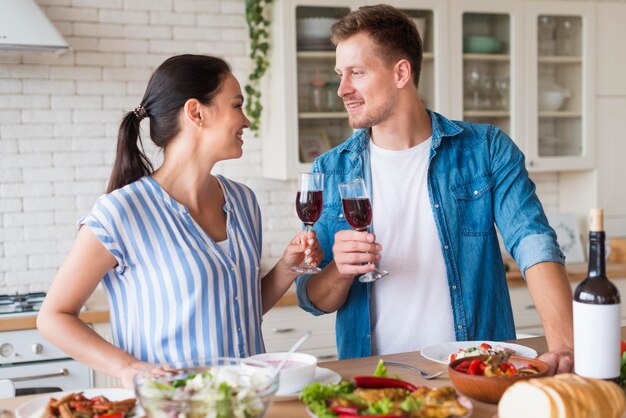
[(29, 361), (20, 304)]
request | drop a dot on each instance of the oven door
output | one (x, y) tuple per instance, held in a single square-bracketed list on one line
[(50, 376)]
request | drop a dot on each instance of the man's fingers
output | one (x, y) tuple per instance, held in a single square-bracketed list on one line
[(352, 235)]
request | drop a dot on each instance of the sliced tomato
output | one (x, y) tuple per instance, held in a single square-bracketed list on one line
[(463, 367), (622, 347), (452, 358), (485, 346), (348, 410)]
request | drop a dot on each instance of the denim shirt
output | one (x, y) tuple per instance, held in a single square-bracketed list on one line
[(476, 180)]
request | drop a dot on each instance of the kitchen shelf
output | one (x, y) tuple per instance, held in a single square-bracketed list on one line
[(559, 60), (561, 114), (486, 113), (314, 55), (323, 115), (487, 57)]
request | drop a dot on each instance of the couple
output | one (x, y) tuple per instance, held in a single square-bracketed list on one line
[(437, 186)]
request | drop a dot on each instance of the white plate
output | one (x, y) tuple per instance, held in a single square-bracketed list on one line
[(35, 408), (322, 375), (439, 352), (462, 400)]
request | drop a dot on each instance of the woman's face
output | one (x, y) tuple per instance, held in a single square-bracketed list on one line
[(227, 120)]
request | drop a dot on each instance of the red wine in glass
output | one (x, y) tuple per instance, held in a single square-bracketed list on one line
[(358, 212), (309, 206)]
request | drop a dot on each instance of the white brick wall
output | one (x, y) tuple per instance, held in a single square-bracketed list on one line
[(59, 118)]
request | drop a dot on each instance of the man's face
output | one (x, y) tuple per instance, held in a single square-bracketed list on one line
[(366, 83)]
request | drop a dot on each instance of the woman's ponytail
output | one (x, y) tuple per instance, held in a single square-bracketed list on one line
[(131, 162)]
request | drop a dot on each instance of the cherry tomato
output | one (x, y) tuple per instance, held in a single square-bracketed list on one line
[(485, 346), (477, 367)]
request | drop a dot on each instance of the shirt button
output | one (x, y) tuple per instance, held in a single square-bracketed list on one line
[(436, 205), (445, 246), (453, 288), (459, 326), (341, 215), (236, 299), (238, 329), (475, 192)]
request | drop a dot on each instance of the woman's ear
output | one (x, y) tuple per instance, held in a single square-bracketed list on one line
[(403, 73), (192, 113)]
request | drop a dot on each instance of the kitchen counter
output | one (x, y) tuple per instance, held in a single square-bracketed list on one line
[(97, 311), (364, 366)]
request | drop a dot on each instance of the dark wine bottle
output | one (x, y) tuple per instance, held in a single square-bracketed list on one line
[(597, 313)]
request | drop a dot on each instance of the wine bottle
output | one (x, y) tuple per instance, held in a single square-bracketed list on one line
[(597, 313)]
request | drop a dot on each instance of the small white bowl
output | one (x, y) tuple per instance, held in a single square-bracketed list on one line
[(297, 372), (314, 28)]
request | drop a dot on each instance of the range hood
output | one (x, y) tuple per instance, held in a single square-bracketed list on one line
[(24, 27)]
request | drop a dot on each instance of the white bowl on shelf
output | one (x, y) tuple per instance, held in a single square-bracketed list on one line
[(551, 96), (314, 28)]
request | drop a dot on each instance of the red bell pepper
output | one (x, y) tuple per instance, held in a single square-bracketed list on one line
[(372, 382), (622, 347), (113, 415), (350, 410), (463, 367), (477, 367)]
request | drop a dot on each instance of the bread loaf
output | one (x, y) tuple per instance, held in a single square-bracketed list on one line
[(562, 396)]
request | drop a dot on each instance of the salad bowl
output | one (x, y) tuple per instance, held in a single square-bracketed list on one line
[(468, 378), (218, 387)]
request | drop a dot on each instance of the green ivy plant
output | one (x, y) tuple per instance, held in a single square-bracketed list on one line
[(257, 16)]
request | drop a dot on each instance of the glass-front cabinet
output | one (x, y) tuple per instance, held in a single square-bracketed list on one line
[(304, 116), (524, 66), (561, 74), (486, 48)]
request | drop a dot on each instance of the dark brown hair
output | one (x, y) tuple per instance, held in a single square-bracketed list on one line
[(177, 80), (394, 33)]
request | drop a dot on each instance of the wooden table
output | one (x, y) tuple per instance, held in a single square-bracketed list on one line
[(364, 366)]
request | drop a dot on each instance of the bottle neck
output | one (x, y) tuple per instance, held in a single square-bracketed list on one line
[(597, 266)]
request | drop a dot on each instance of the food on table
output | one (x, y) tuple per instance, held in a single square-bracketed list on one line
[(497, 365), (564, 395), (380, 397), (217, 392), (482, 350), (76, 405)]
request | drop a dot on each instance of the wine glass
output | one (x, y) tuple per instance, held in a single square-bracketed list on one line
[(309, 208), (358, 211)]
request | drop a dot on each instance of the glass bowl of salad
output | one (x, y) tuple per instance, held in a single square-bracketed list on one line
[(218, 387)]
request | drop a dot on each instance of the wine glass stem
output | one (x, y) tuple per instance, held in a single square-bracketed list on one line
[(308, 228)]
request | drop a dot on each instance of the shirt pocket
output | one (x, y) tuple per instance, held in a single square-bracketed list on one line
[(474, 201)]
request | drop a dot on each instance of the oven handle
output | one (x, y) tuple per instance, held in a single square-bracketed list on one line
[(62, 372)]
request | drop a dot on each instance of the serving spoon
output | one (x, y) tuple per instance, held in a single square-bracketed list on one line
[(292, 350)]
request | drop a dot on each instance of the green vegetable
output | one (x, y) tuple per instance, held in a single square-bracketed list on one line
[(622, 377), (381, 370), (382, 407), (411, 404), (224, 403), (316, 393)]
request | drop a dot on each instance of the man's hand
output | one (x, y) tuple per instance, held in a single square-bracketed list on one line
[(353, 250), (560, 360)]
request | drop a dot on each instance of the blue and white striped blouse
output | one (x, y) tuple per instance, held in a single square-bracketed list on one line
[(175, 293)]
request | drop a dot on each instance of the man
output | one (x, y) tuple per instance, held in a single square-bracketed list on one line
[(437, 188)]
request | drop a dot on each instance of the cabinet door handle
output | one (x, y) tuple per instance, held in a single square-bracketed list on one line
[(62, 372), (282, 330), (530, 307)]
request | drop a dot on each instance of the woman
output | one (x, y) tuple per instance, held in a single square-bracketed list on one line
[(177, 249)]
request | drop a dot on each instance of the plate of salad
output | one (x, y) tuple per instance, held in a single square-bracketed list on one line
[(382, 396), (447, 352)]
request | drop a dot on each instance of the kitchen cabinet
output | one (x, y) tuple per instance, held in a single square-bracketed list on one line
[(303, 117), (611, 54), (483, 62), (283, 325)]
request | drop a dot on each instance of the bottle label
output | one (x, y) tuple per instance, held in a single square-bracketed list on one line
[(597, 340)]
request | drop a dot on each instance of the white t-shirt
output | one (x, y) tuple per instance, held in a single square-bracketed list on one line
[(410, 307)]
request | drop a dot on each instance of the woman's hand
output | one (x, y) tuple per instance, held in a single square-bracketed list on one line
[(128, 373), (303, 246)]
